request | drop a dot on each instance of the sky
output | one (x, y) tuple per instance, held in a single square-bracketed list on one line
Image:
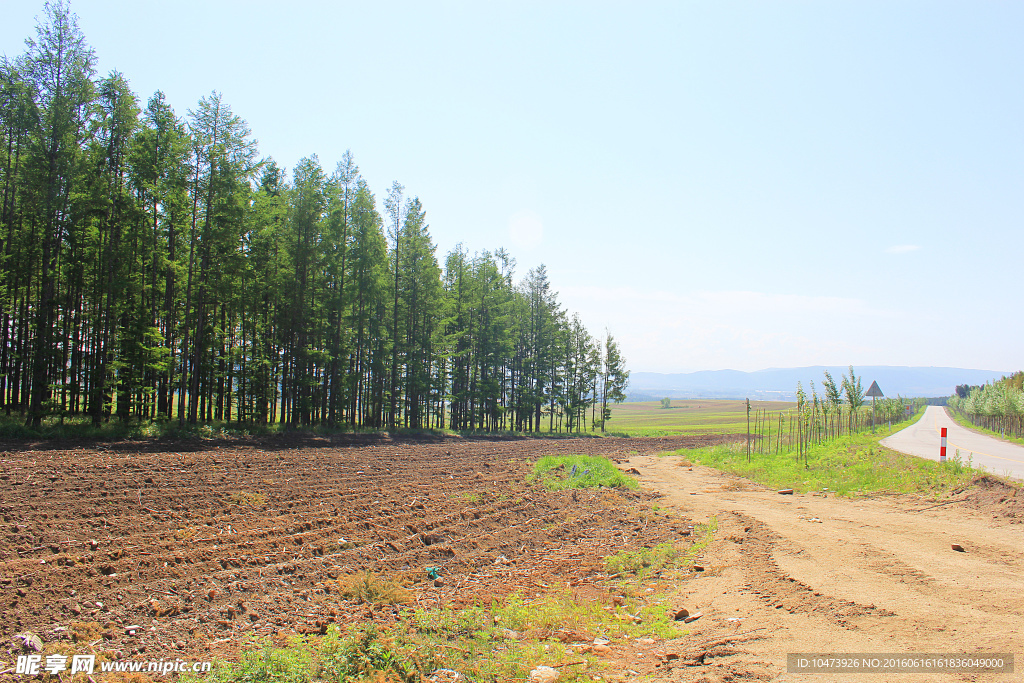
[(720, 185)]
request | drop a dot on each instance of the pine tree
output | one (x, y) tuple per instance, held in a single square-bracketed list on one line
[(614, 378)]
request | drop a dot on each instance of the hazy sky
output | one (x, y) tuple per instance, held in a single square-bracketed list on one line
[(721, 185)]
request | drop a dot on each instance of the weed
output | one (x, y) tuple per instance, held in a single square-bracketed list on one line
[(647, 561), (558, 472), (246, 498), (369, 588), (363, 652), (264, 665)]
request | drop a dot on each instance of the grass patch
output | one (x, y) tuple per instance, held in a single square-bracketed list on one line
[(962, 420), (558, 472), (648, 561), (369, 588), (849, 465), (246, 498), (500, 641)]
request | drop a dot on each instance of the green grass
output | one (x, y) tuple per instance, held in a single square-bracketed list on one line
[(558, 472), (964, 422), (687, 416), (849, 465), (501, 641), (648, 561)]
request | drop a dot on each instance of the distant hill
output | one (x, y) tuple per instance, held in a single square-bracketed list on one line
[(780, 383)]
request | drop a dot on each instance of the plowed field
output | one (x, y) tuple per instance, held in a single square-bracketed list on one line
[(201, 545)]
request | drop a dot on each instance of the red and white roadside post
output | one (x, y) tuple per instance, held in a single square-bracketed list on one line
[(942, 447)]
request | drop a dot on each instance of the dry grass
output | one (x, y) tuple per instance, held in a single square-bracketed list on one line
[(369, 588)]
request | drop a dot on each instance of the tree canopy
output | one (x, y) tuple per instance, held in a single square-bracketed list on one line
[(154, 266)]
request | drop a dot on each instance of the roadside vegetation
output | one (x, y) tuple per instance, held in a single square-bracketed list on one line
[(996, 409), (848, 465)]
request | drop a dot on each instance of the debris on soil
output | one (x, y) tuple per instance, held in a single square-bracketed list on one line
[(693, 617), (786, 492), (543, 674), (957, 547), (997, 497), (446, 676), (29, 642)]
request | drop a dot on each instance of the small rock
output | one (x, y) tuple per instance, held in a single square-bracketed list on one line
[(22, 593), (438, 582), (698, 567), (601, 650), (446, 676), (94, 544), (501, 559), (618, 600), (786, 492), (814, 519), (543, 674), (633, 470), (130, 630), (509, 634), (693, 617), (601, 641), (75, 609), (645, 641), (957, 547), (679, 614)]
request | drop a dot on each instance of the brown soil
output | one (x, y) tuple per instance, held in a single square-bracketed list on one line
[(202, 545), (814, 573)]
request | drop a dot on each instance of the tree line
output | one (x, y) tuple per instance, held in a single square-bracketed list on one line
[(153, 266), (998, 405)]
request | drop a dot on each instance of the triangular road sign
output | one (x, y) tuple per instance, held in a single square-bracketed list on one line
[(874, 391)]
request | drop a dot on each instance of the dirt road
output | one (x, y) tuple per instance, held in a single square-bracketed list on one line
[(816, 573), (922, 439)]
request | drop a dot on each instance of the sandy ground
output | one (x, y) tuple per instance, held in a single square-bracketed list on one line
[(814, 573)]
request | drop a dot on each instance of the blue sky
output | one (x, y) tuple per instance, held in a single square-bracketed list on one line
[(720, 184)]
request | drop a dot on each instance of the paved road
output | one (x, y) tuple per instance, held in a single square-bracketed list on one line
[(922, 439)]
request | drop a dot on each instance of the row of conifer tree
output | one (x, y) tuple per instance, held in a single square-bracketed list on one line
[(154, 266)]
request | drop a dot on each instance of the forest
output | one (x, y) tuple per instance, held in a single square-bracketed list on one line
[(155, 267)]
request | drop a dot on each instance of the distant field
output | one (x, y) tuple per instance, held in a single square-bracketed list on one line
[(713, 416)]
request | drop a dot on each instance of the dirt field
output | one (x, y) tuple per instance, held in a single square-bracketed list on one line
[(818, 574), (201, 547)]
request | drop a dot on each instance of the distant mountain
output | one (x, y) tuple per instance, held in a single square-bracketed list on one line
[(780, 383)]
